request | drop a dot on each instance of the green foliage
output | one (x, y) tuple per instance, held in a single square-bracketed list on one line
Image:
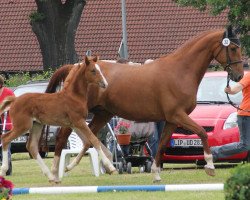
[(15, 80), (238, 14), (36, 16), (237, 187)]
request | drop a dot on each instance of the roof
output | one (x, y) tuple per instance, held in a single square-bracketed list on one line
[(153, 28)]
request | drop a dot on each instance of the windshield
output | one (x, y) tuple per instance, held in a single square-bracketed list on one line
[(212, 89), (30, 88)]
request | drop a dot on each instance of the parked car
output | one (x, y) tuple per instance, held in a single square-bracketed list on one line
[(19, 144), (216, 116)]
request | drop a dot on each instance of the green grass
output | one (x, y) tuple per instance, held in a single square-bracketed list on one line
[(26, 173)]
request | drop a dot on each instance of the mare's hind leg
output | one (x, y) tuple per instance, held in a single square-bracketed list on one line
[(165, 138), (61, 141), (186, 122), (32, 146), (83, 130)]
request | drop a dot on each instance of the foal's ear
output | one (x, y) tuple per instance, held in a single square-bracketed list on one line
[(87, 60), (95, 58)]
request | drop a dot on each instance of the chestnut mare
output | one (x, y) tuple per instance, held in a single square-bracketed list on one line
[(68, 108), (164, 89)]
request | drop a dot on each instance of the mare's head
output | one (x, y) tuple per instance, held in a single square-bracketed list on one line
[(228, 53), (93, 72)]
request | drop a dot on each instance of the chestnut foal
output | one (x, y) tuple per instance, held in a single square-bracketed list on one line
[(67, 108)]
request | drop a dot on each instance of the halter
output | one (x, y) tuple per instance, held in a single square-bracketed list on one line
[(226, 40)]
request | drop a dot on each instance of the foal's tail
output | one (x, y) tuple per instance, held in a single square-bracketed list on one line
[(58, 77), (5, 106)]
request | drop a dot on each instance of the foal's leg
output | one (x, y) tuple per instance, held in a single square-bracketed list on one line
[(18, 129), (99, 120), (61, 141), (78, 158), (32, 146), (165, 138), (81, 128), (6, 139), (186, 122)]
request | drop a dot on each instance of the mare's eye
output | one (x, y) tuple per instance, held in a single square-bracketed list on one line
[(234, 49)]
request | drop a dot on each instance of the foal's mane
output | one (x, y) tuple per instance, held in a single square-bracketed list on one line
[(73, 74)]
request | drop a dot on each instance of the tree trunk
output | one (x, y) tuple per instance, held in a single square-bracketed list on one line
[(55, 26)]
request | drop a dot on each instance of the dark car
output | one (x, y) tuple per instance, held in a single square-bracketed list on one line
[(19, 144)]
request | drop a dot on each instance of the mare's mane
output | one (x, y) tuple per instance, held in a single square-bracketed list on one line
[(188, 44)]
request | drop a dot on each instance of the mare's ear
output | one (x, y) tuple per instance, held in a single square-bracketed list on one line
[(95, 58), (87, 60), (230, 31)]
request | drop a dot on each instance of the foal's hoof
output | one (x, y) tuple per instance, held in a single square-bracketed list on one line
[(209, 171)]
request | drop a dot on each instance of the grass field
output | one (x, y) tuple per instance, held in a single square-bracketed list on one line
[(26, 173)]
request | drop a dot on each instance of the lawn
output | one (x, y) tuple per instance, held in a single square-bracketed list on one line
[(26, 173)]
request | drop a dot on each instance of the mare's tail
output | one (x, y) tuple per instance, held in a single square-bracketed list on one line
[(58, 77), (6, 104)]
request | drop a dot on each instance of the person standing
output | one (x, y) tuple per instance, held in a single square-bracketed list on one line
[(5, 118), (243, 120)]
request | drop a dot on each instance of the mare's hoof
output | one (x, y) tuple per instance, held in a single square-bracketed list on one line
[(158, 180), (209, 171), (57, 181)]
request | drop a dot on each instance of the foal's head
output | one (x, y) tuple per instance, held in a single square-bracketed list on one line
[(93, 72), (228, 53)]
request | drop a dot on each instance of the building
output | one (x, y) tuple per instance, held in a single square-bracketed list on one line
[(154, 28)]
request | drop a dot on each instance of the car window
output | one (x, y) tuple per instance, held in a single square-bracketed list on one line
[(212, 89), (30, 88)]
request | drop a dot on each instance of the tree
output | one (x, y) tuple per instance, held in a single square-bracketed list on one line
[(238, 14), (55, 24)]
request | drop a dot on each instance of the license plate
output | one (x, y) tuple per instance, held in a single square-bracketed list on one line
[(20, 139), (186, 143)]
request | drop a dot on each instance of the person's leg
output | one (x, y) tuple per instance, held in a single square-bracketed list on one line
[(153, 141), (160, 125), (235, 147)]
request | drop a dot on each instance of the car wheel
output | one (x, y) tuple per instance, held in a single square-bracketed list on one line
[(43, 154), (248, 157)]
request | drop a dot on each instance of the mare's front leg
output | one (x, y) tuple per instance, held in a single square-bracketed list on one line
[(186, 122), (61, 141), (83, 131), (32, 146), (164, 140)]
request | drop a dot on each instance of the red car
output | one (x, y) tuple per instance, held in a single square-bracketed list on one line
[(215, 115)]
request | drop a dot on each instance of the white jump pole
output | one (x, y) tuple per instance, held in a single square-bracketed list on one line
[(122, 188)]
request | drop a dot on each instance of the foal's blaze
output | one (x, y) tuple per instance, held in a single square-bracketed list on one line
[(93, 72)]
